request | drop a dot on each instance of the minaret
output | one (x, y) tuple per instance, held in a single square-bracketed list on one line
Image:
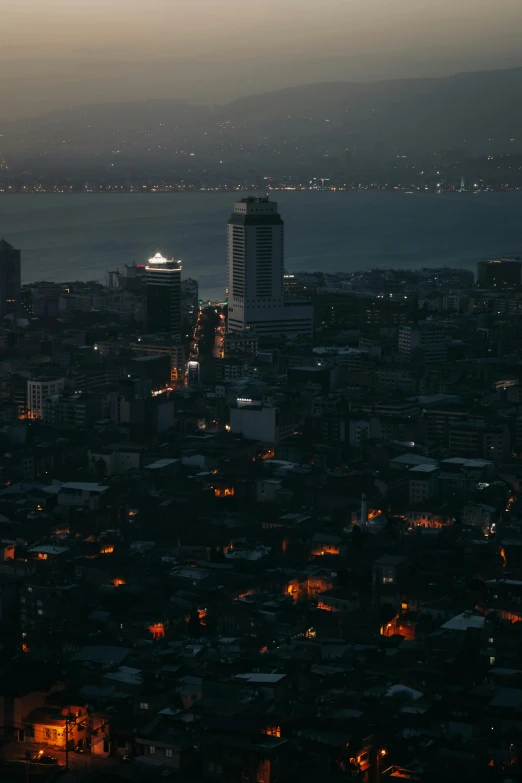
[(364, 511)]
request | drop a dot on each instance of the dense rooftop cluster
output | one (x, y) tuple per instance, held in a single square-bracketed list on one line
[(231, 557)]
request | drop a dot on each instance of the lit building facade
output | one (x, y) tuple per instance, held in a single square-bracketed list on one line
[(37, 393), (163, 278)]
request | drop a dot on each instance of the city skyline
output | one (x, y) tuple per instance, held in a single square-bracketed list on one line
[(260, 509)]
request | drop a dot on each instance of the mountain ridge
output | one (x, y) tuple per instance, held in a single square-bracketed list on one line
[(293, 128), (312, 86)]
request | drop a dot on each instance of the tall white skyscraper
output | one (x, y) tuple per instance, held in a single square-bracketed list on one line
[(255, 273)]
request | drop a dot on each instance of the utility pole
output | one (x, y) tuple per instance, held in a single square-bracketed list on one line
[(68, 717), (67, 742)]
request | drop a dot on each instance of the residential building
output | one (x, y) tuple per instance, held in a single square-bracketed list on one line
[(82, 494), (46, 604), (459, 475), (262, 423), (116, 460), (476, 439), (38, 390), (349, 310), (426, 343), (72, 410), (423, 482), (240, 344), (359, 432), (389, 570), (440, 419)]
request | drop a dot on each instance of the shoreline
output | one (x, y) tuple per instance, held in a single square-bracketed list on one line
[(234, 191)]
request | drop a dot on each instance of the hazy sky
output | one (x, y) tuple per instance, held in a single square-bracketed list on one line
[(61, 52)]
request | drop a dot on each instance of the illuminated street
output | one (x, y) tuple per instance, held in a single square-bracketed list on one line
[(220, 337), (14, 767)]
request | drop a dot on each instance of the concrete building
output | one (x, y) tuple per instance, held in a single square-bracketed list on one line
[(475, 439), (189, 301), (49, 601), (255, 273), (439, 420), (10, 279), (260, 423), (459, 475), (351, 310), (116, 460), (500, 273), (81, 494), (389, 570), (38, 391), (240, 344), (455, 303), (145, 346), (231, 370), (154, 368), (359, 432), (72, 410), (163, 280), (426, 343), (324, 376), (43, 299), (423, 482)]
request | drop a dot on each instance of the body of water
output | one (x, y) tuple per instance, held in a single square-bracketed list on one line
[(68, 237)]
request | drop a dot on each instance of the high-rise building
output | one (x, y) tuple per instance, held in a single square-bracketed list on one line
[(163, 279), (189, 301), (193, 373), (10, 279), (255, 273), (500, 273), (426, 343)]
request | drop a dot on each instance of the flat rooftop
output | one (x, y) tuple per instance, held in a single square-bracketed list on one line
[(461, 622), (424, 469), (258, 677)]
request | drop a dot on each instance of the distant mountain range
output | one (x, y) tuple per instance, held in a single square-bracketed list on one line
[(323, 125)]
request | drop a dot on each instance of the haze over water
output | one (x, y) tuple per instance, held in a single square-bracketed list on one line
[(67, 237)]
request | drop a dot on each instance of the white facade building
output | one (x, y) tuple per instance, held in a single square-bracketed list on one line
[(37, 393), (256, 423), (81, 493), (255, 250)]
